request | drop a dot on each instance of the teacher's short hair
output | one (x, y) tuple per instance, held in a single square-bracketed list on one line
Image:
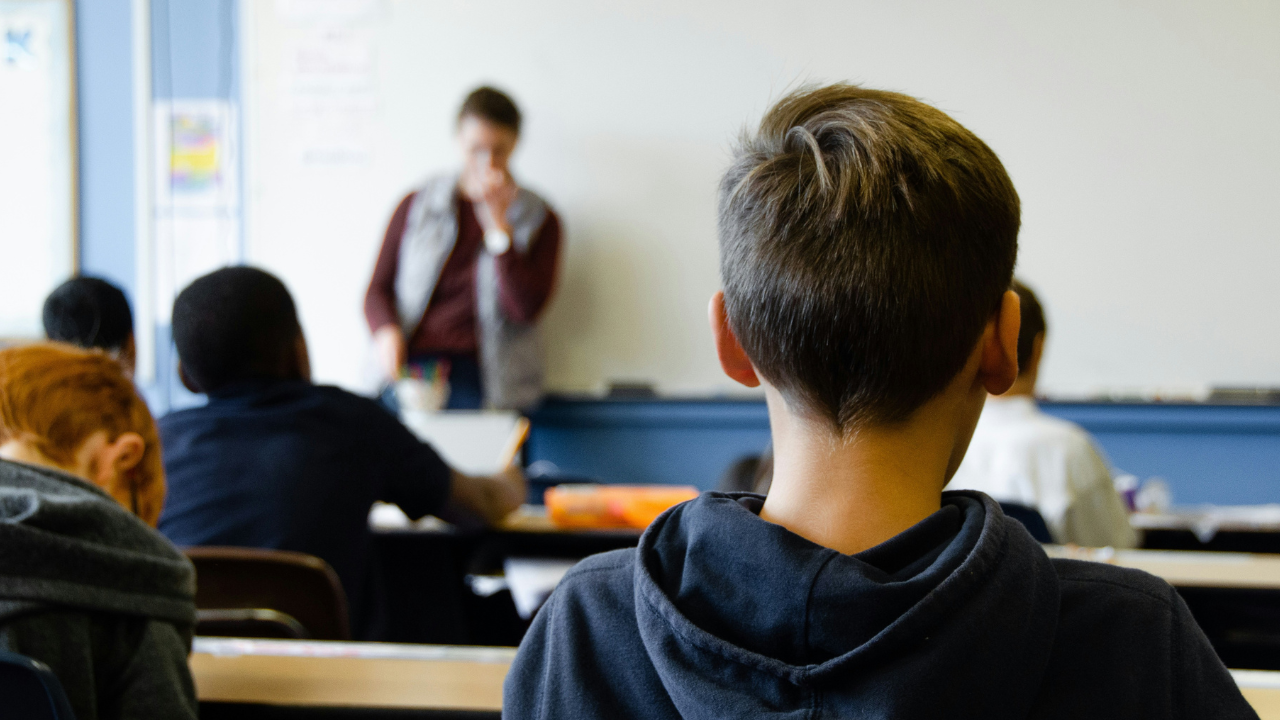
[(493, 105), (235, 324)]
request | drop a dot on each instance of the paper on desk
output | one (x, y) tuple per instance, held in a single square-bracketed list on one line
[(1207, 521), (1248, 517), (531, 581), (385, 516), (470, 441)]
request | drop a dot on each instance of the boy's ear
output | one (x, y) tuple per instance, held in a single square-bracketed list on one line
[(733, 360), (1000, 346), (126, 451)]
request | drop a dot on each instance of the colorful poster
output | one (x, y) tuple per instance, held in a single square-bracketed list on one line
[(197, 202), (194, 153)]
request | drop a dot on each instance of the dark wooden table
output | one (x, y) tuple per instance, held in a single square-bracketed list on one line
[(424, 576)]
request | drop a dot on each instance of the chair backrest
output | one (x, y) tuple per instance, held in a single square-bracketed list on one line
[(249, 623), (275, 586), (30, 691), (1030, 518)]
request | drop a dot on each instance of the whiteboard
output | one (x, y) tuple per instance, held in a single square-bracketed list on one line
[(37, 160), (1141, 137)]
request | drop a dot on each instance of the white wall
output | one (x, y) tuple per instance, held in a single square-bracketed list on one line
[(37, 161), (1141, 138)]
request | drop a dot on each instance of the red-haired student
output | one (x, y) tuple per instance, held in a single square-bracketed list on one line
[(87, 585)]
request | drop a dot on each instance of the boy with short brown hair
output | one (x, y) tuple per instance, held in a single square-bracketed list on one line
[(867, 247)]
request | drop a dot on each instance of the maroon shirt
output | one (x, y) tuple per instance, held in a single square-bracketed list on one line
[(525, 281)]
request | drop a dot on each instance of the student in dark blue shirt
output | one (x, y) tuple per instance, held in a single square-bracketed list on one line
[(867, 248), (273, 461)]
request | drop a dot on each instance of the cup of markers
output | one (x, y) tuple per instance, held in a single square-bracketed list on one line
[(423, 386)]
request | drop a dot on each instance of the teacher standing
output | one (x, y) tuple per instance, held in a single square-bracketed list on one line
[(466, 267)]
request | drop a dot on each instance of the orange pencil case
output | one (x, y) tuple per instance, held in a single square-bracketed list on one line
[(612, 506)]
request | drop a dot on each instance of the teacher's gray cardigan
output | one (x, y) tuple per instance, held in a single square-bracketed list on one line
[(510, 352)]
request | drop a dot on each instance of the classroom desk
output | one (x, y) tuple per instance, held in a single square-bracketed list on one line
[(327, 675), (1262, 690), (232, 672), (533, 519), (424, 568), (1187, 569), (527, 520), (530, 530), (1234, 596), (1253, 528)]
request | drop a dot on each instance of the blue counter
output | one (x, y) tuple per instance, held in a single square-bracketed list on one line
[(1219, 454), (1208, 453), (679, 442)]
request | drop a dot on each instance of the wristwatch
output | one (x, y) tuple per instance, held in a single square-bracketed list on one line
[(497, 241)]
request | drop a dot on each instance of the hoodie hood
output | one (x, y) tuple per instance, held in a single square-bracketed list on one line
[(793, 625), (66, 542)]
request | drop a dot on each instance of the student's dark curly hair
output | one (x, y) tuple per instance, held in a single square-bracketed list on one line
[(235, 324)]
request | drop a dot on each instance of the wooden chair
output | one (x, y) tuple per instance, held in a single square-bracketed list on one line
[(247, 592)]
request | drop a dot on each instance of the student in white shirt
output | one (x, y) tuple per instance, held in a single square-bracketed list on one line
[(1022, 455)]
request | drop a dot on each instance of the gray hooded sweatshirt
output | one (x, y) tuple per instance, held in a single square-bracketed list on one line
[(88, 589)]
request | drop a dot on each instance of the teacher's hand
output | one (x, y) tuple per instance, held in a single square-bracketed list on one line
[(389, 341), (495, 190)]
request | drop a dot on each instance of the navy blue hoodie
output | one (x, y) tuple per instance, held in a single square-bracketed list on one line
[(719, 614)]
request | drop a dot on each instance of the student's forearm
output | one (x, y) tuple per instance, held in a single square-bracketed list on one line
[(490, 497)]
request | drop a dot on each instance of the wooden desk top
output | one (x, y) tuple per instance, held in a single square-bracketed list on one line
[(526, 519), (1262, 690), (385, 675), (1184, 568), (533, 519), (1208, 520), (332, 674)]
